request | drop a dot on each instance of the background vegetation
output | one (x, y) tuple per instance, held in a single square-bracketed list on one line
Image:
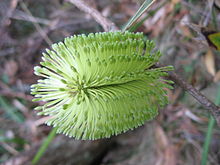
[(175, 137)]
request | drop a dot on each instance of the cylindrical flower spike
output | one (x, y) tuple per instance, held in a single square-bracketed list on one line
[(100, 85)]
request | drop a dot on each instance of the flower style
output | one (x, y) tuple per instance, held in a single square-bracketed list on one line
[(100, 85)]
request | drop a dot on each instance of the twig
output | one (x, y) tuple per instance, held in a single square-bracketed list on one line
[(213, 109), (37, 26), (23, 157), (5, 21), (20, 15), (9, 148), (6, 91), (99, 18)]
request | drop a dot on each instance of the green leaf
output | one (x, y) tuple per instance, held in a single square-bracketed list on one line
[(144, 7), (44, 146), (212, 37), (209, 133), (215, 39)]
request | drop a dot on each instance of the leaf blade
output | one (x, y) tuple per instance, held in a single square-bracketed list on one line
[(144, 7)]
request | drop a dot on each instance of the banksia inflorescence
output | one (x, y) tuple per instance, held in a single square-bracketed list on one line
[(100, 85)]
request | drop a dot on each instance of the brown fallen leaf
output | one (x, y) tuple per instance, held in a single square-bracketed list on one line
[(217, 76), (161, 138), (209, 61), (167, 152)]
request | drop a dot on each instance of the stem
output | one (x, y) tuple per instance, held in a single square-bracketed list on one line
[(99, 18), (214, 110)]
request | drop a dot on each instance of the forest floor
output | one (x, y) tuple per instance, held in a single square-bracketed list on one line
[(175, 137)]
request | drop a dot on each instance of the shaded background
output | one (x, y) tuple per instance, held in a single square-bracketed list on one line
[(175, 137)]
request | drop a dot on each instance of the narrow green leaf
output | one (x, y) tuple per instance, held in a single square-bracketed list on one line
[(144, 7), (44, 146), (209, 133), (150, 14)]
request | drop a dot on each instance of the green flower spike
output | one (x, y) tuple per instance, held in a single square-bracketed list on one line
[(100, 85)]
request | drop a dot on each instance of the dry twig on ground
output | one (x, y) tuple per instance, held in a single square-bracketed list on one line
[(213, 109), (104, 22)]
